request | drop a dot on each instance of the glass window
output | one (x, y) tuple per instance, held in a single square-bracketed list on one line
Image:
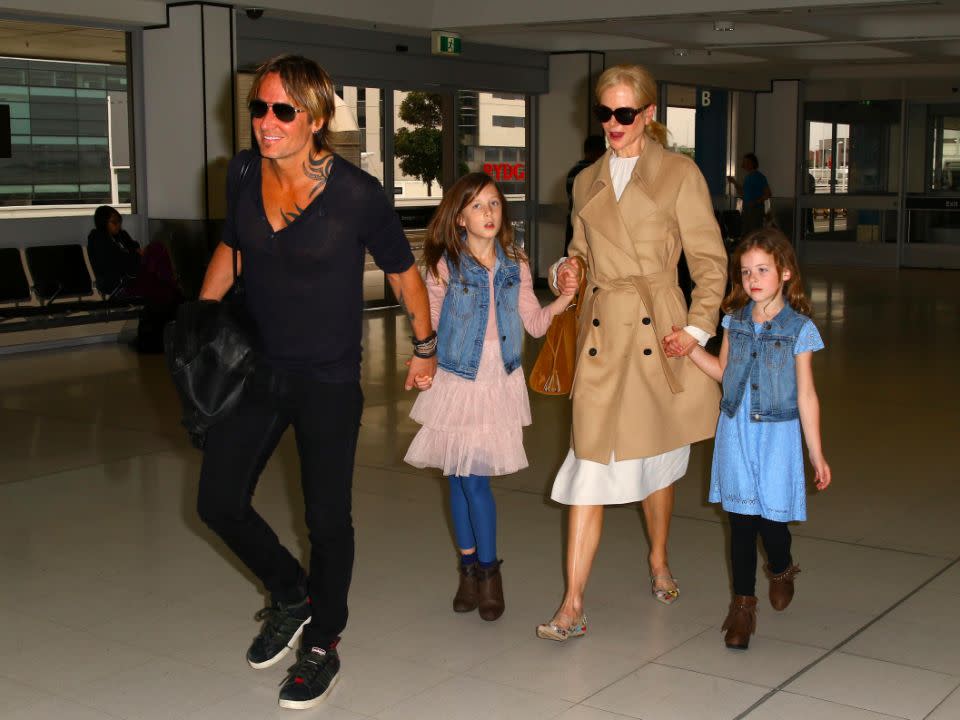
[(61, 145), (853, 147), (944, 138), (492, 138), (418, 147)]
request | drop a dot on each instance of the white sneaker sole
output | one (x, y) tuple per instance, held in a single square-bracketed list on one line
[(280, 655), (307, 704)]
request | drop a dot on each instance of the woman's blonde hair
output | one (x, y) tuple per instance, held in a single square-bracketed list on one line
[(308, 86), (644, 86)]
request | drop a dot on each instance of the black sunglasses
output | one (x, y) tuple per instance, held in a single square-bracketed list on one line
[(283, 112), (624, 115)]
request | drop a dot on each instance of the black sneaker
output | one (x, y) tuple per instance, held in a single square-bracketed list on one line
[(282, 625), (309, 681)]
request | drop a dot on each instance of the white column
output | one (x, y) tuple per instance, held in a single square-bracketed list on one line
[(189, 109)]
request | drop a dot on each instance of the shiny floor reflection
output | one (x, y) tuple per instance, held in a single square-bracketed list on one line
[(115, 602)]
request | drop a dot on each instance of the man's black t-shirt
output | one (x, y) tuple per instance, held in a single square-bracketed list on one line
[(304, 282)]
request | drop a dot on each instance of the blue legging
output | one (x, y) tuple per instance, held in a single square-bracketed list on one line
[(474, 515)]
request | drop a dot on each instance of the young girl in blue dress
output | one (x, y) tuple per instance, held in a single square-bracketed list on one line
[(765, 366), (474, 409)]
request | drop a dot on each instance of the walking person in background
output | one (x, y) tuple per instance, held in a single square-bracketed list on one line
[(755, 192), (765, 367), (474, 409)]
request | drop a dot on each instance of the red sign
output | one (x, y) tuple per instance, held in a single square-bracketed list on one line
[(506, 171)]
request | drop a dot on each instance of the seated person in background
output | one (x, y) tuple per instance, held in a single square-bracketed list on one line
[(114, 255), (125, 270)]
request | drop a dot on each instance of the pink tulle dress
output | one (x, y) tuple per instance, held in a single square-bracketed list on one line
[(475, 427)]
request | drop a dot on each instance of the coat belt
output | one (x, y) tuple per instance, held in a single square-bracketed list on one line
[(645, 286)]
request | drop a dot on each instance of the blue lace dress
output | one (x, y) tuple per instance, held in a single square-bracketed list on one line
[(758, 466)]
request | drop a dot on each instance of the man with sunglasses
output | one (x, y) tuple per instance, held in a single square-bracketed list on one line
[(302, 219)]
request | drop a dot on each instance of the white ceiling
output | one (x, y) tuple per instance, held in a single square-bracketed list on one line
[(888, 32), (773, 36)]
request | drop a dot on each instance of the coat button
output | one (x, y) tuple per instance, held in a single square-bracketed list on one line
[(777, 344), (466, 290), (646, 321), (756, 417), (753, 354), (767, 326), (593, 351), (595, 289), (596, 322), (647, 351), (754, 386), (503, 337)]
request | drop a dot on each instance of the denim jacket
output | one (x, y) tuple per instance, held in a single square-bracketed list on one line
[(466, 308), (766, 361)]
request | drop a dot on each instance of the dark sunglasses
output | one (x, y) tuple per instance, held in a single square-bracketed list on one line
[(624, 115), (281, 111)]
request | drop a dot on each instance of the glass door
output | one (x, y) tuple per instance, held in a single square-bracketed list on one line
[(932, 226), (850, 181), (492, 138)]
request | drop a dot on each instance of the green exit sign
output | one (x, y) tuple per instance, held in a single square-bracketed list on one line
[(446, 43)]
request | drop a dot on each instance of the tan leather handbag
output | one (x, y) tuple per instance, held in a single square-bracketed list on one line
[(552, 373)]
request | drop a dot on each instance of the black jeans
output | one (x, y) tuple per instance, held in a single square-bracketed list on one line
[(326, 419), (743, 549)]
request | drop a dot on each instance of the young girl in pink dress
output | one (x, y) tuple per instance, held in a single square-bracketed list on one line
[(473, 411)]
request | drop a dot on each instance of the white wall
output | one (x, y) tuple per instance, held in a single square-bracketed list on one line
[(776, 136), (564, 122), (188, 123), (174, 117)]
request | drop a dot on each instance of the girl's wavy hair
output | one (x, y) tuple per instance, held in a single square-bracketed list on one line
[(644, 86), (776, 244), (445, 236)]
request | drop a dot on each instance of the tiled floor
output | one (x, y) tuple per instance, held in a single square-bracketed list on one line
[(115, 602)]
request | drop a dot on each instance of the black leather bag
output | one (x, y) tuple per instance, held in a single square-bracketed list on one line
[(211, 351)]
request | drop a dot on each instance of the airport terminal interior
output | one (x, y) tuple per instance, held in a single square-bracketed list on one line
[(118, 603)]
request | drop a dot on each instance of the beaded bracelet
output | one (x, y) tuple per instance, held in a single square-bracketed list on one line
[(425, 348)]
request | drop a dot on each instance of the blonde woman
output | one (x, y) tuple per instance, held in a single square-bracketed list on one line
[(635, 411)]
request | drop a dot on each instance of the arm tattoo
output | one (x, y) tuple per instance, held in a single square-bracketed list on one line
[(318, 169), (411, 316), (289, 217)]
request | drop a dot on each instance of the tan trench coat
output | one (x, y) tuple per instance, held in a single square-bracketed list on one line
[(628, 397)]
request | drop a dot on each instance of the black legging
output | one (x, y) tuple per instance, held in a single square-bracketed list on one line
[(743, 549)]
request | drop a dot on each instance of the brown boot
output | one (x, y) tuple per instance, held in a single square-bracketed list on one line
[(491, 592), (741, 621), (781, 586), (468, 597)]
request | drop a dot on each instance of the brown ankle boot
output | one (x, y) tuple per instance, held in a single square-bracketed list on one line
[(468, 597), (741, 621), (491, 592), (781, 586)]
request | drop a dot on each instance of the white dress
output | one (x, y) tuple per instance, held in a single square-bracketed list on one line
[(584, 482)]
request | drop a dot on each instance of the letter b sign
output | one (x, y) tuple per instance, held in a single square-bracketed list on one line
[(704, 98)]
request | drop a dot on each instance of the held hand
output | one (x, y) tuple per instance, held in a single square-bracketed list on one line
[(569, 268), (568, 283), (822, 476), (421, 372), (679, 343)]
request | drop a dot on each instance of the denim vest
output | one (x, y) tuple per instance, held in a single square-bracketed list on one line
[(766, 361), (466, 307)]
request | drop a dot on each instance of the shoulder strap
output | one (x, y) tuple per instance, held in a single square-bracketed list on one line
[(244, 169)]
